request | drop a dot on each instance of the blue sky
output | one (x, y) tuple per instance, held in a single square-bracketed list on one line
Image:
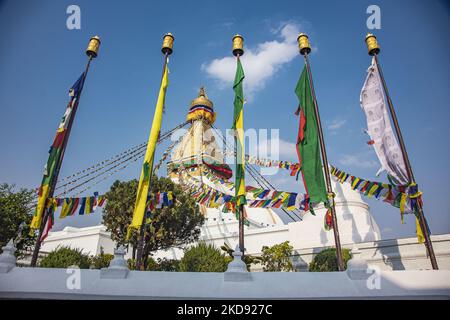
[(40, 59)]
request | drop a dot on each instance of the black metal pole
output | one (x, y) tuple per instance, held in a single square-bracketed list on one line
[(422, 220), (38, 244), (141, 238), (240, 210), (241, 230), (330, 193)]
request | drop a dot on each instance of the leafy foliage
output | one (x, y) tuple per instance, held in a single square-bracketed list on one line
[(64, 257), (326, 260), (203, 258), (168, 264), (132, 263), (118, 210), (101, 261), (168, 227), (162, 264), (14, 210), (277, 257), (248, 259)]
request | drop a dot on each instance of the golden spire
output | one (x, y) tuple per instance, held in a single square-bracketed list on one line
[(202, 108), (202, 92), (202, 99)]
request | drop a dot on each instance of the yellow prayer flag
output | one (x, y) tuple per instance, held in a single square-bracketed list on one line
[(87, 207), (66, 207), (147, 167), (419, 232), (372, 191), (37, 218)]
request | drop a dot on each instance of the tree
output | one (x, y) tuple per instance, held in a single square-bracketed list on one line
[(277, 257), (119, 210), (248, 259), (15, 209), (326, 260), (203, 258), (169, 227), (64, 257)]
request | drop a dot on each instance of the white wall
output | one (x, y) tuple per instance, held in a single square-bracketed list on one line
[(43, 283)]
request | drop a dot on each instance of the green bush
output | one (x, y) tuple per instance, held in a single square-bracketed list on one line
[(326, 261), (101, 261), (64, 257), (248, 259), (157, 265), (203, 258), (277, 257), (152, 265), (167, 264), (132, 264)]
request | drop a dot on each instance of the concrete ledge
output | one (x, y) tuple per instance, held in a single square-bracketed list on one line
[(42, 283)]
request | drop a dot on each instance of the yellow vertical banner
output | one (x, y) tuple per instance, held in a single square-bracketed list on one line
[(420, 236), (147, 167)]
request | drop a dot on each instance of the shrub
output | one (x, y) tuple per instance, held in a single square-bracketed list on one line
[(203, 258), (277, 257), (64, 257), (157, 265), (326, 260), (248, 259), (167, 264), (132, 264), (101, 261)]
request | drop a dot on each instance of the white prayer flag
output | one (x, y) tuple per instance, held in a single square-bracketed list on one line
[(379, 127)]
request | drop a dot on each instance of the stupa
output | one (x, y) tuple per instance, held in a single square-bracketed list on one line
[(198, 157), (197, 154)]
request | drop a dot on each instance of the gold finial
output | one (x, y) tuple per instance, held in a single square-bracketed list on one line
[(202, 99), (167, 46), (238, 45), (372, 44), (201, 108), (93, 46), (202, 92), (303, 44)]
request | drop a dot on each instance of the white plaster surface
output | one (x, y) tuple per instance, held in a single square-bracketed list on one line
[(45, 283)]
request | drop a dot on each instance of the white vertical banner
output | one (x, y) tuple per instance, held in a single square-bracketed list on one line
[(379, 127)]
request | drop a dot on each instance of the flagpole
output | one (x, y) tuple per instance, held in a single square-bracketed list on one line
[(167, 49), (91, 52), (305, 49), (374, 50), (240, 209), (238, 50)]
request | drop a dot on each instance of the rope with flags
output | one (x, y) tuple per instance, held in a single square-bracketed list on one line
[(215, 196), (406, 198)]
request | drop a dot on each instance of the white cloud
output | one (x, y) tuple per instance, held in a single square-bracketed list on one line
[(360, 160), (275, 149), (227, 24), (288, 150), (260, 63), (336, 124)]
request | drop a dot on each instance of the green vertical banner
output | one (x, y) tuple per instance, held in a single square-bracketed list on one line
[(238, 126), (308, 149)]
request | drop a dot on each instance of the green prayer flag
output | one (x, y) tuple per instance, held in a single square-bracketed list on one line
[(238, 126), (308, 149)]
